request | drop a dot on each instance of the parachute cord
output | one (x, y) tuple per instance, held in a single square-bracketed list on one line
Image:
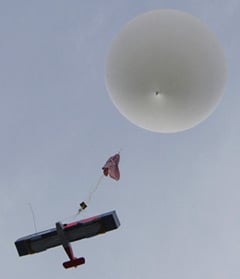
[(33, 216), (95, 188), (88, 200), (83, 205), (73, 216)]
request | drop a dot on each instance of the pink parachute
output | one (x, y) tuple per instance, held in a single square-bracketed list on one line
[(111, 167)]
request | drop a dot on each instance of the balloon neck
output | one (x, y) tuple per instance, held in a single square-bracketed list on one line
[(158, 94)]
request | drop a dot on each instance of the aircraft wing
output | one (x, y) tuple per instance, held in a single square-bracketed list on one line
[(44, 240)]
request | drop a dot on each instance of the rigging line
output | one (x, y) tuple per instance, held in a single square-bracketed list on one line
[(87, 200), (33, 216), (95, 188)]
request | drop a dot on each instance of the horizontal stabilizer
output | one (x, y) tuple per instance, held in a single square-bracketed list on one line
[(74, 263)]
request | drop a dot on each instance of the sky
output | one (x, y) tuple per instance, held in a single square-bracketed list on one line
[(178, 199)]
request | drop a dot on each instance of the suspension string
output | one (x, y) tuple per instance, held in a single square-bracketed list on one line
[(33, 216), (95, 188), (84, 204)]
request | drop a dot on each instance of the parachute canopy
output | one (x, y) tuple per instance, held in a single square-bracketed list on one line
[(111, 167)]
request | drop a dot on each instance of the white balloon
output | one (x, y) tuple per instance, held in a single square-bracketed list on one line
[(165, 71)]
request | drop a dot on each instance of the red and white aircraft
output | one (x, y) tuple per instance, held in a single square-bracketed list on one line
[(65, 234)]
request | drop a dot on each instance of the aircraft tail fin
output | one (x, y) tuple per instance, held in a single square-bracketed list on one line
[(74, 263)]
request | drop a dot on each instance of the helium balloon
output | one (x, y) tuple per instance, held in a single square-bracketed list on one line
[(165, 71)]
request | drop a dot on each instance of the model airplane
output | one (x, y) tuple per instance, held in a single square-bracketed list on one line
[(64, 234)]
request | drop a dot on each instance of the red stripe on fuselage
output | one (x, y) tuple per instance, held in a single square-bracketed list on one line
[(82, 221), (88, 219)]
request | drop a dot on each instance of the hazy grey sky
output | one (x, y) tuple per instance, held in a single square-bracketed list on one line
[(178, 199)]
